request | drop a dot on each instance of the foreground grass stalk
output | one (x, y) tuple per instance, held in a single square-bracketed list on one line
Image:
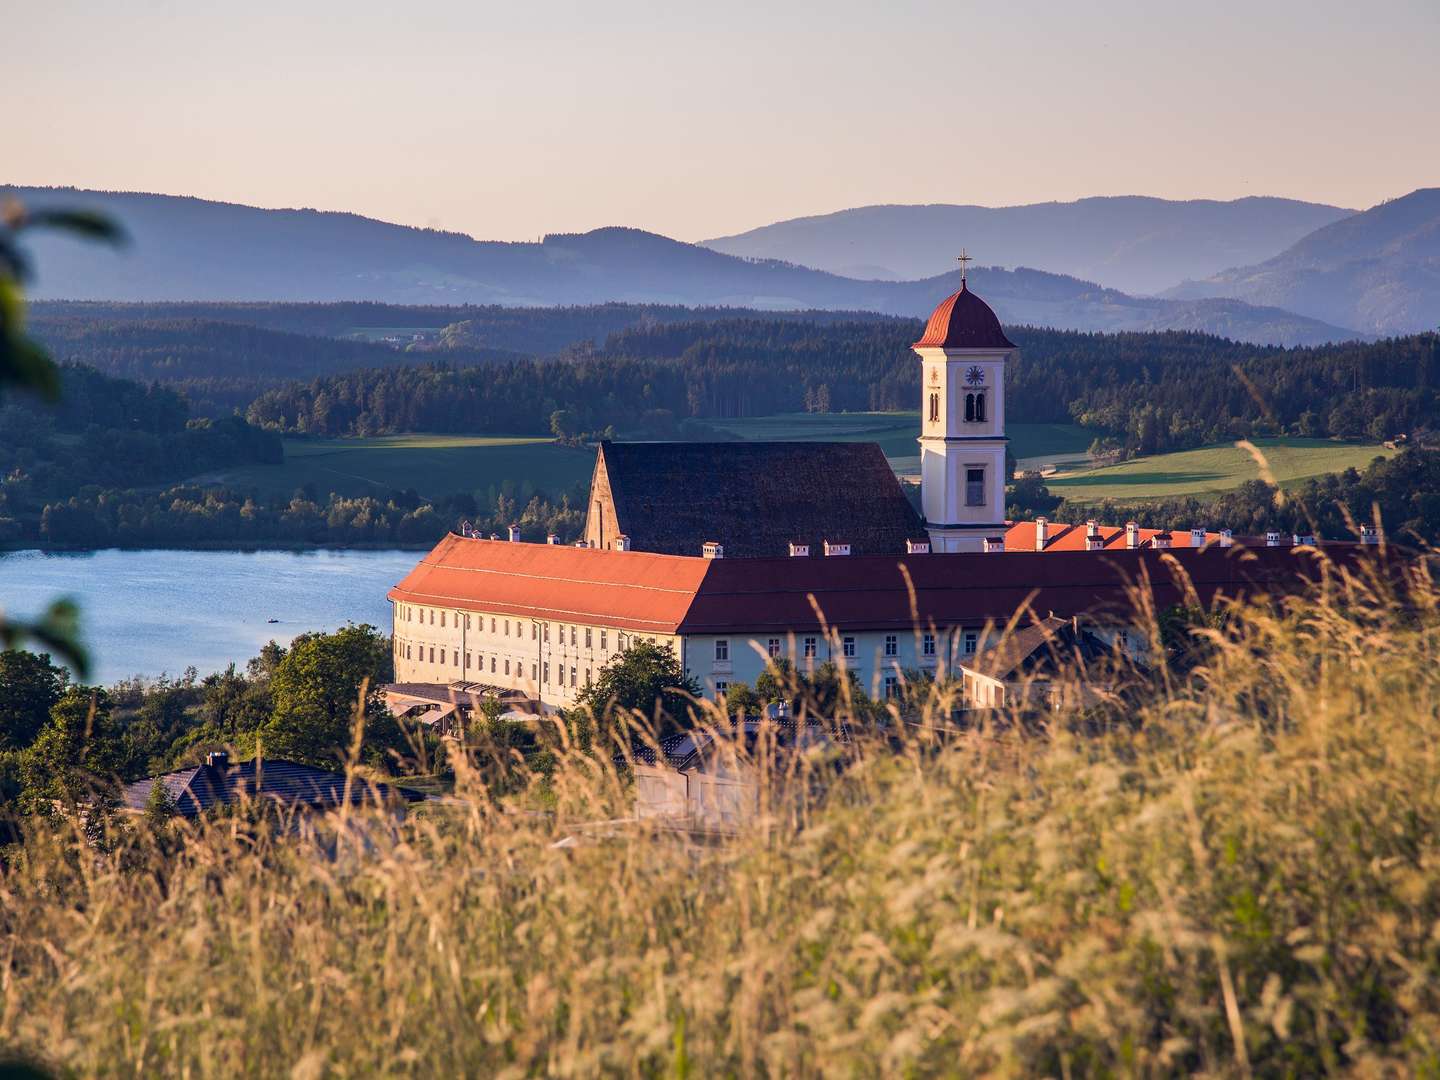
[(1234, 869)]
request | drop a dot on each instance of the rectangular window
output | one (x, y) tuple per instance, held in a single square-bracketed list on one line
[(971, 642), (442, 656), (773, 646), (722, 649), (467, 661), (507, 667), (407, 652), (892, 686), (532, 671), (507, 627), (587, 637), (534, 632), (848, 645), (547, 632), (587, 676), (432, 654), (432, 616), (546, 670), (927, 645), (572, 677), (603, 646), (721, 688), (467, 620), (492, 665), (572, 637), (974, 487), (442, 618), (892, 645), (809, 648), (492, 624)]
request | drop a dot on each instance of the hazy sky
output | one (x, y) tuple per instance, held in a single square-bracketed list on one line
[(508, 120)]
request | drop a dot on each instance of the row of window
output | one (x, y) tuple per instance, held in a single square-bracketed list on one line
[(442, 656), (501, 627), (969, 642), (974, 408)]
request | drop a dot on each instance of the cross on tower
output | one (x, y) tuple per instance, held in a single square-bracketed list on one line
[(963, 260)]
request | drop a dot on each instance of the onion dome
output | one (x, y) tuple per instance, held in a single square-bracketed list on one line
[(964, 321)]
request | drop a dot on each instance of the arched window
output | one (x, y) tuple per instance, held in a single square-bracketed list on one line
[(979, 408), (969, 408), (934, 408)]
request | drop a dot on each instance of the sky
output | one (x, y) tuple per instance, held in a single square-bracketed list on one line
[(511, 120)]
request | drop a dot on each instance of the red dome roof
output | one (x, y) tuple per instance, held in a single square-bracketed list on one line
[(964, 321)]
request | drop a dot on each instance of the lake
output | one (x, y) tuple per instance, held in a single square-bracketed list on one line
[(153, 612)]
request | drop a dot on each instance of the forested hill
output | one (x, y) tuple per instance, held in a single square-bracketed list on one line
[(1148, 392), (1130, 242), (191, 249), (1378, 271)]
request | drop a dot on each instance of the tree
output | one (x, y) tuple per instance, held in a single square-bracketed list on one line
[(30, 685), (645, 678), (160, 806), (316, 688), (75, 757), (1029, 498)]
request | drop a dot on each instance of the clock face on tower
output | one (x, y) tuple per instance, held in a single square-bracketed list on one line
[(975, 376)]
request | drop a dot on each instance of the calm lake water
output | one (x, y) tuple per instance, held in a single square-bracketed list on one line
[(153, 612)]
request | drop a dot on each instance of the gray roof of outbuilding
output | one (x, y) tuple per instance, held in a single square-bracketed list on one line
[(755, 498), (203, 787)]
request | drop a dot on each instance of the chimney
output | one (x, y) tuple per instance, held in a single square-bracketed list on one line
[(994, 543), (1132, 535), (622, 543), (552, 538), (1161, 540), (836, 549), (1272, 539), (514, 532), (1093, 542), (712, 549), (1042, 533), (1227, 538), (1369, 534), (1197, 538), (799, 551), (917, 547), (218, 759)]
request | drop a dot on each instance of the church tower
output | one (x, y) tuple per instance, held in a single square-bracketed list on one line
[(962, 421)]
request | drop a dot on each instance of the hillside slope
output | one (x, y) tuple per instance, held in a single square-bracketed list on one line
[(1378, 271), (190, 249), (1135, 243)]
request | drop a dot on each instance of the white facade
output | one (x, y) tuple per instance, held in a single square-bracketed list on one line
[(548, 660), (962, 445)]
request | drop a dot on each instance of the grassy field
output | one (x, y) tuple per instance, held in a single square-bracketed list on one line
[(434, 465), (1231, 874), (896, 433), (438, 465), (1212, 469)]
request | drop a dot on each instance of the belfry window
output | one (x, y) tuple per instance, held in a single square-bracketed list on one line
[(980, 408), (969, 408), (975, 487), (934, 408)]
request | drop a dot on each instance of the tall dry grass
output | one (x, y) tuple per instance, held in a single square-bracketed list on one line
[(1244, 878)]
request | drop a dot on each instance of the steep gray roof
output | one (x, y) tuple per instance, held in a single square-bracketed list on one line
[(754, 498), (202, 787)]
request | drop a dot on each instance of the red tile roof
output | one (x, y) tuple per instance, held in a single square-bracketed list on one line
[(1062, 537), (632, 590), (964, 321), (648, 593)]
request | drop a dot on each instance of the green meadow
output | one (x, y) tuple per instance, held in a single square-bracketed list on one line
[(433, 465), (1212, 469)]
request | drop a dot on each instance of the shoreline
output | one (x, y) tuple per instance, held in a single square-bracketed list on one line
[(229, 545)]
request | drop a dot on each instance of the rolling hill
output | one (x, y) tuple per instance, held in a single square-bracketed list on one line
[(190, 249), (1378, 271), (1138, 244)]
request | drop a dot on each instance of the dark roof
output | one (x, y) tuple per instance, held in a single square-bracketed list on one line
[(1036, 647), (290, 783), (754, 498), (873, 592), (963, 321)]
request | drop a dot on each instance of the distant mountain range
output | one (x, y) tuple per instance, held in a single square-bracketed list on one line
[(192, 249), (1131, 242), (1378, 271)]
